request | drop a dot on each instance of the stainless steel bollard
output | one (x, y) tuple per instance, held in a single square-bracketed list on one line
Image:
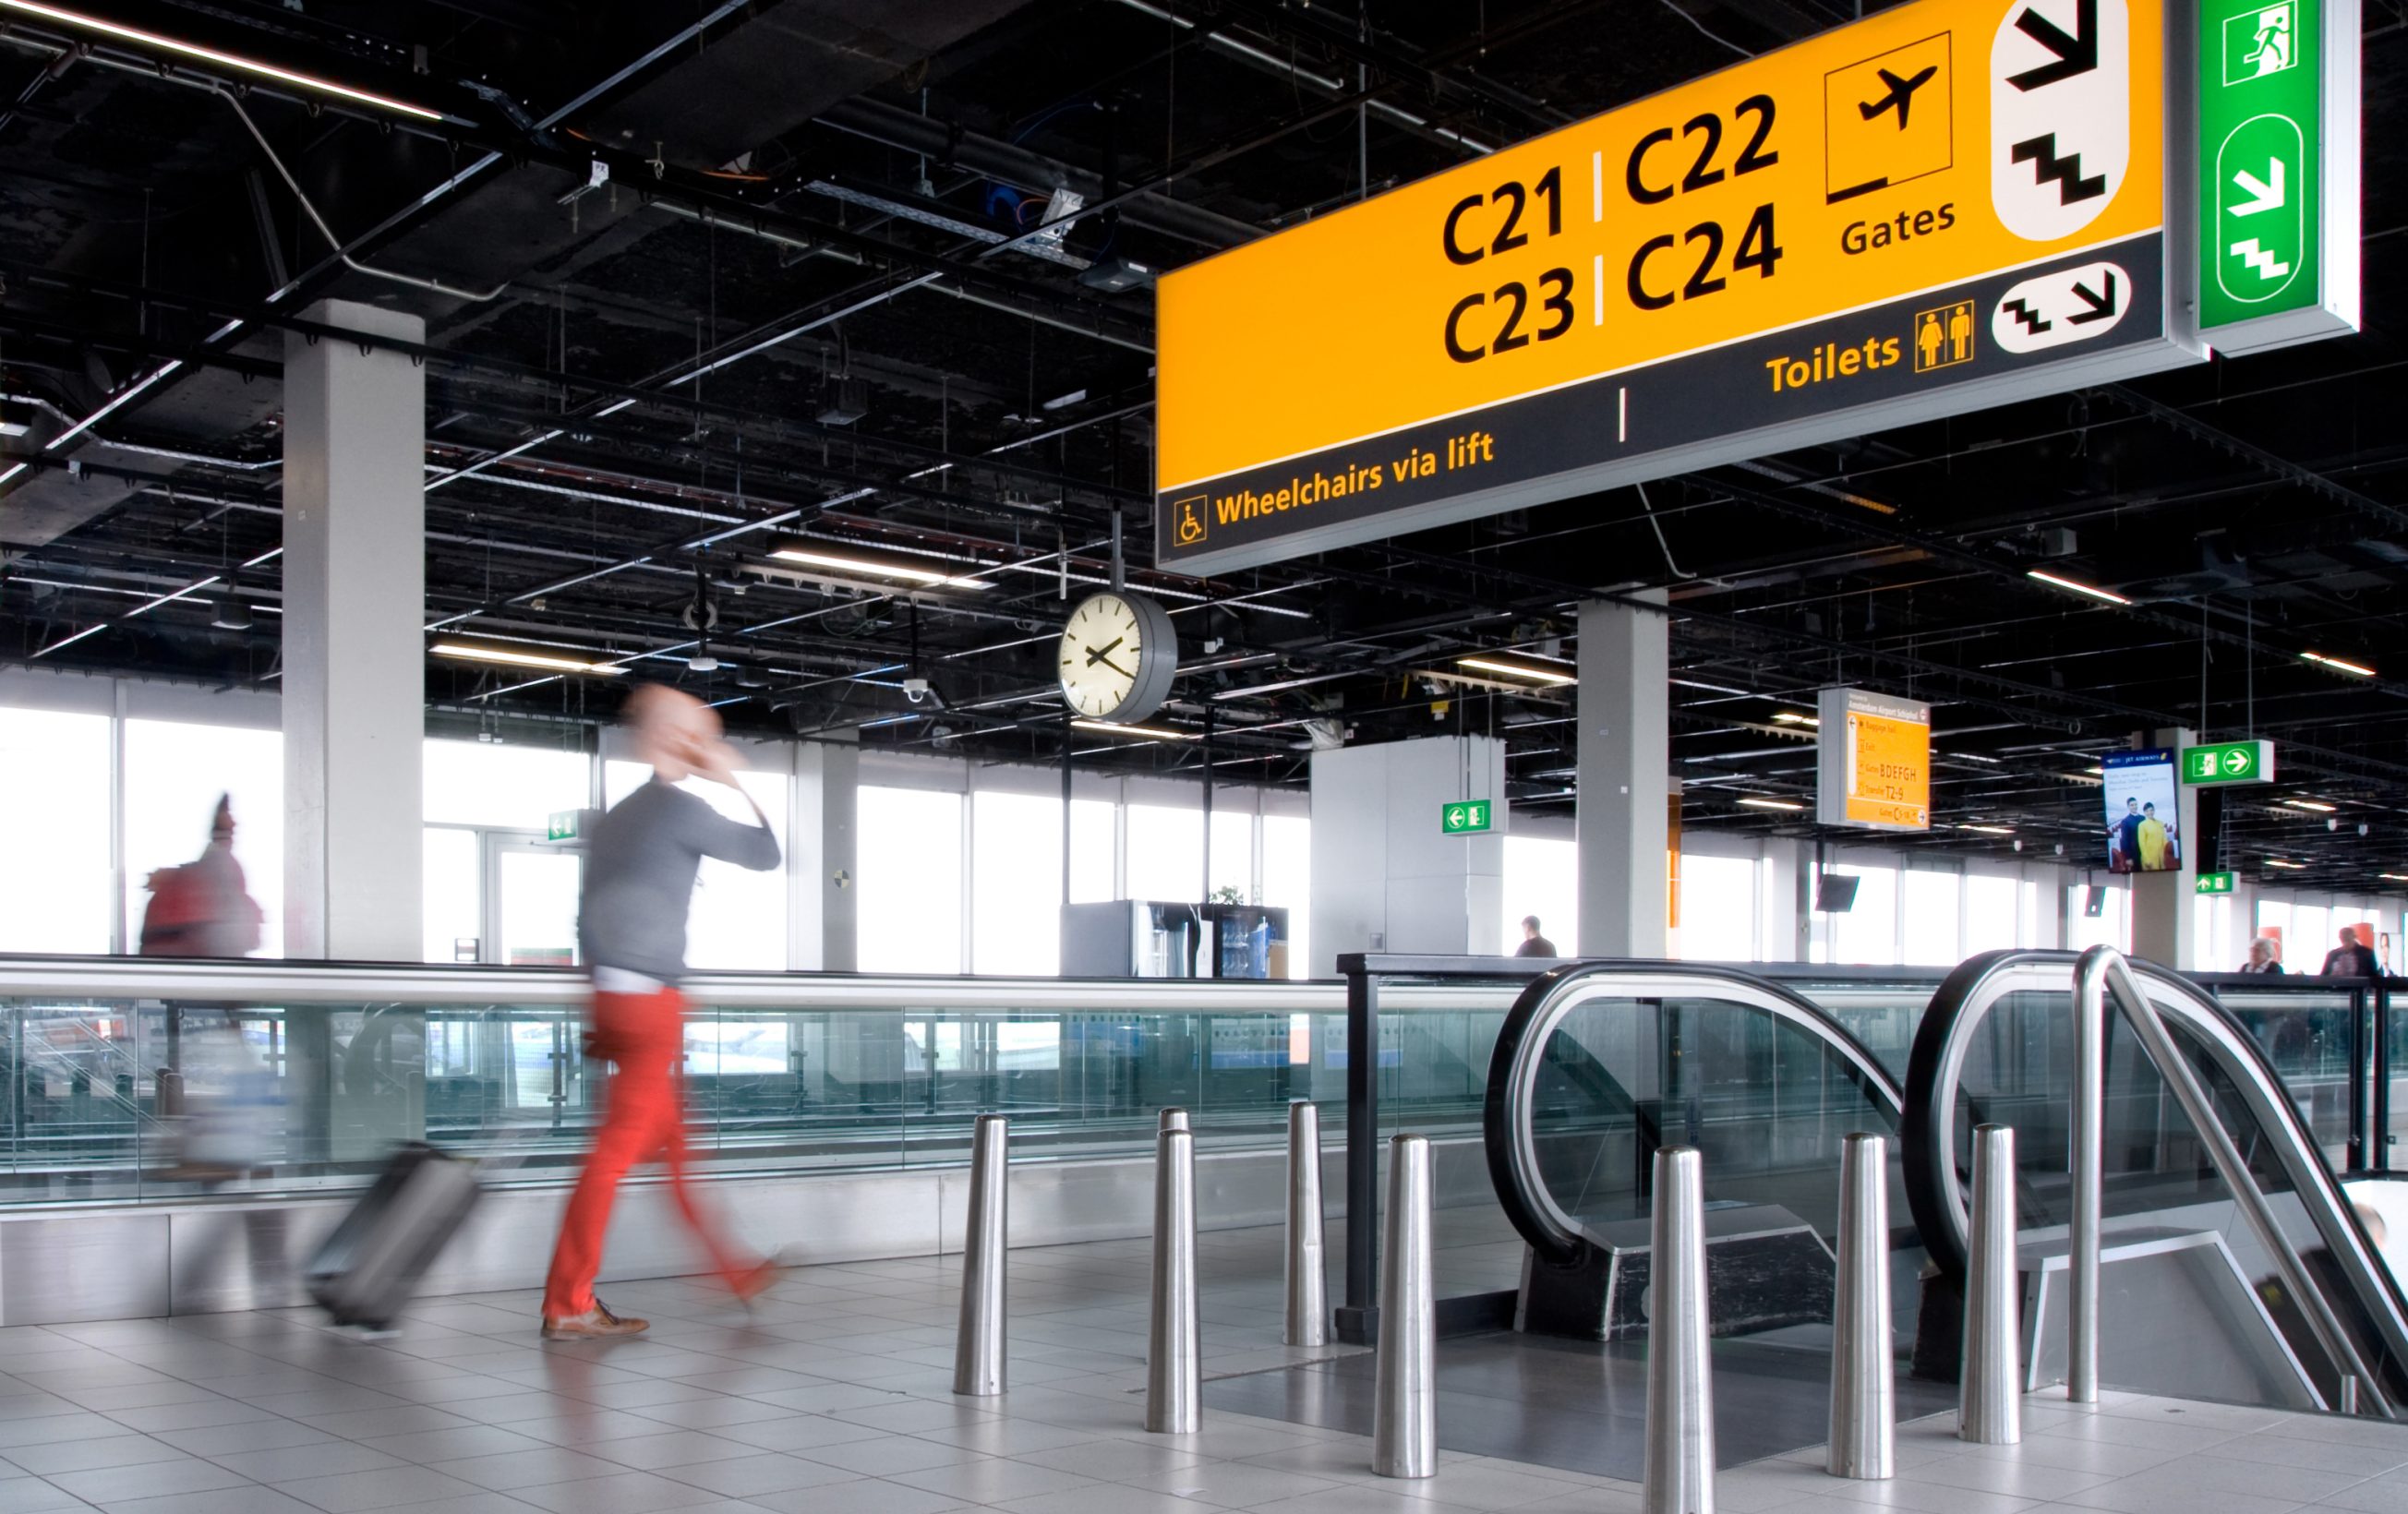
[(1863, 1385), (1171, 1119), (1404, 1398), (1680, 1469), (979, 1349), (1174, 1354), (1308, 1283), (1989, 1407)]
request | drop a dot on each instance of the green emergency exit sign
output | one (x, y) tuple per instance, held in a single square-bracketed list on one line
[(1464, 817), (2230, 762), (2278, 165), (2213, 883), (564, 826)]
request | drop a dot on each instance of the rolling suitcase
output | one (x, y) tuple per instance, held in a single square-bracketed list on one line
[(365, 1272)]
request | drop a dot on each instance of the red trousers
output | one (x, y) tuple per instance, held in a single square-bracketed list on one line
[(644, 1117)]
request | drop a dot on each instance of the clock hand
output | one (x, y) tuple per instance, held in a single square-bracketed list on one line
[(1115, 667), (1097, 654)]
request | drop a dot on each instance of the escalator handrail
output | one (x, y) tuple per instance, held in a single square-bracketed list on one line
[(1521, 1042), (1935, 1068)]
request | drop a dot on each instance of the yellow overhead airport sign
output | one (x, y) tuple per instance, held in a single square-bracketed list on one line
[(1948, 204), (1873, 761)]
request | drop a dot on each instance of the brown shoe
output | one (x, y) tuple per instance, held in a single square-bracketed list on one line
[(596, 1323)]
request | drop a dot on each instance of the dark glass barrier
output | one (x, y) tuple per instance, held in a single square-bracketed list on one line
[(135, 1080)]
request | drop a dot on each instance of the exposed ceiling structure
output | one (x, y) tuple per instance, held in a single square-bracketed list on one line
[(703, 279)]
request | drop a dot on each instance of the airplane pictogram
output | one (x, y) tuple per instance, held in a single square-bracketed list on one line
[(1900, 97)]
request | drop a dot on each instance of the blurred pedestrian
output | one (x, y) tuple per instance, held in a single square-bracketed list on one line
[(215, 1093), (640, 877), (2263, 957), (203, 908), (2353, 958)]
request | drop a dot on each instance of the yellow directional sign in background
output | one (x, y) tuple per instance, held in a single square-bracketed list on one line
[(1732, 265)]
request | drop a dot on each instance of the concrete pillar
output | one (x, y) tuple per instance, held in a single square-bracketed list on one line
[(1624, 753), (355, 644), (2163, 919), (1385, 878), (821, 853)]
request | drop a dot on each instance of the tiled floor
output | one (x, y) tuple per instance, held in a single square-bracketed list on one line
[(834, 1398)]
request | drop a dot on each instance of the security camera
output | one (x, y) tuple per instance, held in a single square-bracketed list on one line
[(915, 689)]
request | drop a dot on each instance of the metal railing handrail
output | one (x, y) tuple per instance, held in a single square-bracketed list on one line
[(1508, 1118), (1935, 1073), (2101, 972), (255, 981)]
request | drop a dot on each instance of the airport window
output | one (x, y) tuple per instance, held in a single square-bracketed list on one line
[(57, 765), (1287, 883), (1016, 884), (1718, 898), (1166, 853), (174, 774), (1094, 850), (452, 886), (1541, 878), (1930, 921), (1991, 922), (1232, 863), (1867, 936), (909, 867), (2111, 926), (494, 783)]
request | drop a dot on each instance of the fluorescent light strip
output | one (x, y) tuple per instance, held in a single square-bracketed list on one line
[(521, 659), (2092, 779), (2311, 803), (2277, 861), (2321, 660), (2108, 595), (1770, 804), (224, 59), (1791, 717), (1154, 733), (1989, 830), (2393, 878), (1516, 670), (883, 570)]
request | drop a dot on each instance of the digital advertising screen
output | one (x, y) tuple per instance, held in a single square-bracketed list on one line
[(2143, 834)]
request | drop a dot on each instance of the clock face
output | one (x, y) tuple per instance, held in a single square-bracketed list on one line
[(1117, 655)]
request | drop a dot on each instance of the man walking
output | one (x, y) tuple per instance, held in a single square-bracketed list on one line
[(631, 929)]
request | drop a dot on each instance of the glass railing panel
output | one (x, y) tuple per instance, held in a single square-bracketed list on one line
[(137, 1098), (1765, 1100), (2305, 1033)]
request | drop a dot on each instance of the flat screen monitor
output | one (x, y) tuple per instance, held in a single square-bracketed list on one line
[(2142, 817), (2094, 902), (1835, 894)]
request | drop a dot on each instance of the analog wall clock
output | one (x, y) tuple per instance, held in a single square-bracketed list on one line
[(1117, 657)]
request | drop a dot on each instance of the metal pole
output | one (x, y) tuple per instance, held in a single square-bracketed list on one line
[(1171, 1120), (1362, 1147), (2087, 1159), (1404, 1399), (1174, 1356), (1863, 1390), (1680, 1469), (1308, 1287), (979, 1348), (1989, 1409)]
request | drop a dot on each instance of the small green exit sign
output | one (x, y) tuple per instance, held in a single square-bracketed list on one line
[(563, 826), (2213, 883), (1464, 817), (2230, 762)]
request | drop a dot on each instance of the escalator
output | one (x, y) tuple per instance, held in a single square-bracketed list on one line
[(1600, 1064), (2234, 1269), (2235, 1264)]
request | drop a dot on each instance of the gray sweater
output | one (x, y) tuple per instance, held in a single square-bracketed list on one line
[(640, 877)]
